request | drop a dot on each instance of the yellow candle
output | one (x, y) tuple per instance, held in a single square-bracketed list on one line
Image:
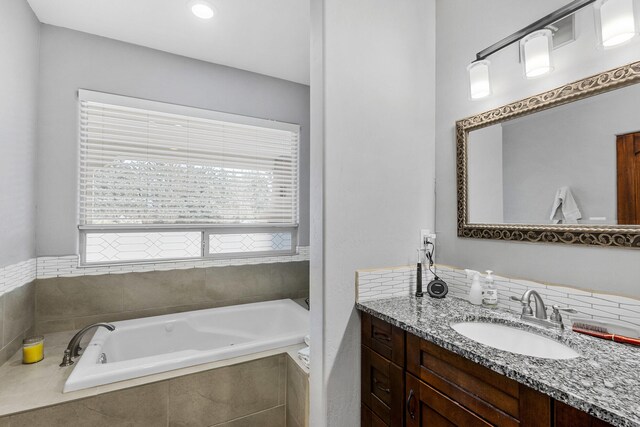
[(32, 350)]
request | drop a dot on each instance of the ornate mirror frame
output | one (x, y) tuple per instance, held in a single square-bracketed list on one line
[(626, 236)]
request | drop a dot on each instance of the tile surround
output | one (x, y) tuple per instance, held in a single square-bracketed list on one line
[(16, 275), (244, 394), (400, 281), (65, 303)]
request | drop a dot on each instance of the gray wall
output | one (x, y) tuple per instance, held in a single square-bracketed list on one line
[(19, 39), (484, 160), (464, 28), (70, 60), (573, 145), (373, 106)]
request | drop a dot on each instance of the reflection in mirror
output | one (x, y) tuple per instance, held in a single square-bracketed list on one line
[(578, 163)]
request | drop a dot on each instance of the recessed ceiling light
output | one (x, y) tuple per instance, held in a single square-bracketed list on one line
[(202, 9)]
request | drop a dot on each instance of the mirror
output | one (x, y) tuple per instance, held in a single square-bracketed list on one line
[(562, 166)]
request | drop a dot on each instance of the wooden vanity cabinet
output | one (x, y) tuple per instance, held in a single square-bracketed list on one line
[(407, 381), (382, 385)]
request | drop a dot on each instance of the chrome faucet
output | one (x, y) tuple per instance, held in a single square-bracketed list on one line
[(540, 315), (73, 349)]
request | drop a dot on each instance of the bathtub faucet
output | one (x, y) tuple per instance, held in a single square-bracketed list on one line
[(73, 349)]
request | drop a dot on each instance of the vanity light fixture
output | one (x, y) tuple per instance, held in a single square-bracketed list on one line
[(535, 51), (202, 9), (615, 22), (479, 81)]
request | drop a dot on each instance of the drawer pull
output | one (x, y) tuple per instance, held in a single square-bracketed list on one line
[(410, 406), (379, 387), (381, 336)]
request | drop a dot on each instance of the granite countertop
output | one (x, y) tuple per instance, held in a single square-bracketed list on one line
[(603, 382)]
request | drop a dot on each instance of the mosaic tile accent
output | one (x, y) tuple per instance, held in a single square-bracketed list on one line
[(67, 266), (16, 275), (400, 281)]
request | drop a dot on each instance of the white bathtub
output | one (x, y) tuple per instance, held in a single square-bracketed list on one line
[(151, 345)]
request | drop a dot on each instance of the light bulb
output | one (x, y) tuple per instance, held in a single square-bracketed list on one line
[(536, 50), (201, 9), (615, 22), (479, 80)]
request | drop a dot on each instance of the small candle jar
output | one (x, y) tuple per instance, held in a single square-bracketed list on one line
[(32, 350)]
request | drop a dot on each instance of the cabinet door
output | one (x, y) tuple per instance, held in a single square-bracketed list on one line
[(567, 416), (382, 387), (425, 406)]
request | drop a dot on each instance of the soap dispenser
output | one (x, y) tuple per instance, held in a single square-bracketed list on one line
[(490, 295), (475, 292)]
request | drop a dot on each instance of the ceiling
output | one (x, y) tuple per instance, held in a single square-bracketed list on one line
[(266, 37)]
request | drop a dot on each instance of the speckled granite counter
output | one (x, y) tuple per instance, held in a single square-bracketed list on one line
[(603, 382)]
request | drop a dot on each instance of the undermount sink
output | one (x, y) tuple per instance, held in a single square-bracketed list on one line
[(514, 340)]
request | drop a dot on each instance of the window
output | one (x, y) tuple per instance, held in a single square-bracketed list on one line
[(161, 181)]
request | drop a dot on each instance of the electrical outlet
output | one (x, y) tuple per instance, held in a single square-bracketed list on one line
[(424, 237)]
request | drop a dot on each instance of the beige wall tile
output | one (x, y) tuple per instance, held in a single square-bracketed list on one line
[(274, 417), (74, 302), (18, 312), (225, 394), (163, 289), (139, 406), (65, 297), (4, 422), (297, 394)]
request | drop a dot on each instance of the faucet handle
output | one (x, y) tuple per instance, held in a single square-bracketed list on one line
[(556, 316), (526, 308)]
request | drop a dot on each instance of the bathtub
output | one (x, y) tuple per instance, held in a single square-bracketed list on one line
[(152, 345)]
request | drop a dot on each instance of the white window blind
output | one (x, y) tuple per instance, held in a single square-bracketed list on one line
[(146, 165)]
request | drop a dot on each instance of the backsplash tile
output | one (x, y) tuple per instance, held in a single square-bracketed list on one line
[(399, 281)]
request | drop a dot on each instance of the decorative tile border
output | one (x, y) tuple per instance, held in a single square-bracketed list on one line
[(67, 266), (400, 281), (16, 275)]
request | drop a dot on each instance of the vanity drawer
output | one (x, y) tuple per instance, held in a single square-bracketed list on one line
[(494, 397), (426, 406), (382, 387), (383, 338)]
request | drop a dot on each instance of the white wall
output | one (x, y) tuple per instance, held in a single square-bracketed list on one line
[(19, 39), (71, 60), (464, 28), (573, 145), (484, 188), (375, 163)]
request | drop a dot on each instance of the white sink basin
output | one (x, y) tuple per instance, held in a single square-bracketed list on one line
[(514, 340)]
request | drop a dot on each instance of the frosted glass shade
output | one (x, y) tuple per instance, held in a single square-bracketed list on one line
[(479, 81), (536, 49), (615, 22)]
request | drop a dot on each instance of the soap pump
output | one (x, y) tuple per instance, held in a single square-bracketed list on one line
[(490, 298), (475, 292)]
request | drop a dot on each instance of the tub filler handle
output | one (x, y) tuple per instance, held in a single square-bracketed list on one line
[(73, 349)]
